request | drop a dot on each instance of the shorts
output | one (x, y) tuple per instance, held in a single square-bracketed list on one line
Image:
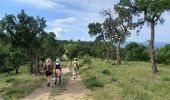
[(58, 72), (75, 70), (48, 73)]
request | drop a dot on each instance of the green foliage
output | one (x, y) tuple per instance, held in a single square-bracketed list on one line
[(22, 32), (163, 55), (51, 47), (148, 12), (106, 72), (71, 51), (87, 59), (92, 82), (113, 79), (166, 78), (136, 52), (28, 40), (17, 86)]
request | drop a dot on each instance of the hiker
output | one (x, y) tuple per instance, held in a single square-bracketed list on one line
[(48, 70), (75, 68), (58, 71)]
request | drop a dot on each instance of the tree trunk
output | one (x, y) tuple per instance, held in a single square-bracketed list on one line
[(34, 64), (37, 63), (114, 50), (152, 51), (118, 53), (38, 66), (17, 68), (71, 63), (31, 66)]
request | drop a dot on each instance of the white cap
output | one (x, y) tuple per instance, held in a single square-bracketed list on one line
[(57, 60)]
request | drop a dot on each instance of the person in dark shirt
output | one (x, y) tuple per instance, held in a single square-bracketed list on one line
[(48, 70)]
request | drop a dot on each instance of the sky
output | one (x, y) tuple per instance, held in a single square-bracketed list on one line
[(69, 19)]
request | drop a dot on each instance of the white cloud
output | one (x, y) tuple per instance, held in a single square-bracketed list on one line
[(45, 4), (59, 26), (57, 31), (66, 20)]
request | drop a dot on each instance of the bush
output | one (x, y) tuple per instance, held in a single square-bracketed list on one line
[(136, 52), (166, 78), (106, 72), (113, 63), (10, 79), (163, 55), (113, 79), (87, 59), (92, 81)]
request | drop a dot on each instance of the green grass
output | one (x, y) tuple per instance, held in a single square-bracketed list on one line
[(17, 86), (129, 81)]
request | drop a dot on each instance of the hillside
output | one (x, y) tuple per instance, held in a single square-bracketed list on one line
[(146, 43)]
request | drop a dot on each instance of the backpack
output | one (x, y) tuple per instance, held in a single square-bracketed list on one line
[(47, 67), (58, 66), (75, 63)]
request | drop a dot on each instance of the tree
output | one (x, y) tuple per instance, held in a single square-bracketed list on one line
[(98, 30), (50, 47), (150, 12), (163, 55), (114, 30), (8, 24), (136, 52), (25, 32)]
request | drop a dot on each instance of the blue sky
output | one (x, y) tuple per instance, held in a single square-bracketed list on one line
[(69, 18)]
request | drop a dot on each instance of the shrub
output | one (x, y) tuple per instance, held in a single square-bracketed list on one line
[(166, 78), (113, 63), (113, 79), (136, 52), (163, 55), (92, 81), (10, 79), (87, 59), (106, 72)]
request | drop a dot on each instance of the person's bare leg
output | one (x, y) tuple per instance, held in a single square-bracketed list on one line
[(48, 80), (55, 80), (73, 75)]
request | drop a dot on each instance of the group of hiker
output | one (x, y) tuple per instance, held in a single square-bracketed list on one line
[(48, 67)]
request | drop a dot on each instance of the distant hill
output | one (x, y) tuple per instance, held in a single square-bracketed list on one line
[(146, 43)]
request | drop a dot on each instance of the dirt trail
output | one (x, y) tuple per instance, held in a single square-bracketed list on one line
[(75, 90), (1, 95)]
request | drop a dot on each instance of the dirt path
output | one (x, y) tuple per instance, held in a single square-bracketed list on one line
[(75, 90), (1, 95)]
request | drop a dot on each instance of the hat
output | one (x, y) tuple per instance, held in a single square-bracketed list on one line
[(57, 60)]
